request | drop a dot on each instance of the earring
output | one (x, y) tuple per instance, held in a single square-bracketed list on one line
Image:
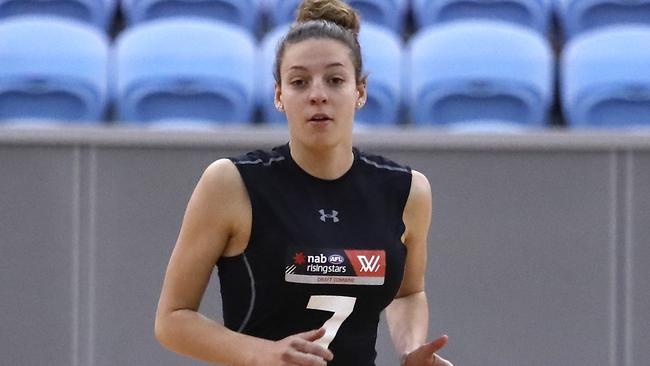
[(280, 107), (359, 104)]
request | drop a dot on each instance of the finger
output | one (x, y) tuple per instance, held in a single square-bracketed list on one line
[(439, 361), (436, 344), (295, 357), (312, 348), (312, 335)]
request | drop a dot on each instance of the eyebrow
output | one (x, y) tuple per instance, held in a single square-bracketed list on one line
[(333, 64)]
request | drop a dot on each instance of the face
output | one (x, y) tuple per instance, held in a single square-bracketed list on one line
[(319, 92)]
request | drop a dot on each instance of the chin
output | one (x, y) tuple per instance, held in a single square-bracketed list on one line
[(320, 140), (329, 137)]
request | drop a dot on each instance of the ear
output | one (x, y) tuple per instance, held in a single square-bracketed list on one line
[(362, 94), (277, 98)]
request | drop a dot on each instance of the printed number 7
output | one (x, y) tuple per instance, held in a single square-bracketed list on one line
[(341, 306)]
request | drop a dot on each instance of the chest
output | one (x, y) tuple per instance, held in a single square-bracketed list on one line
[(324, 215), (332, 239)]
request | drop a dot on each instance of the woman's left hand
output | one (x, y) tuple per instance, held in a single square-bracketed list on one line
[(425, 355)]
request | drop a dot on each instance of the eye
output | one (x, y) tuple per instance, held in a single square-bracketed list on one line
[(336, 80), (298, 83)]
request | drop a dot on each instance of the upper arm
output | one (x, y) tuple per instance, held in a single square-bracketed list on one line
[(215, 217), (417, 218)]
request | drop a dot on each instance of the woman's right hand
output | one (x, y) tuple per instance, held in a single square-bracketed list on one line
[(296, 350), (425, 355)]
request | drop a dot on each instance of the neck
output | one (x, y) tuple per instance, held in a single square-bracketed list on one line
[(326, 163)]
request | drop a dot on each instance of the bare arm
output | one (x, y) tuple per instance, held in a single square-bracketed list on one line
[(216, 223), (408, 314)]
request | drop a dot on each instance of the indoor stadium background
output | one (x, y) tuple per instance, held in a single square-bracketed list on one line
[(529, 117)]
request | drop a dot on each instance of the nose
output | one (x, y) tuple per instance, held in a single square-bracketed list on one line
[(317, 94)]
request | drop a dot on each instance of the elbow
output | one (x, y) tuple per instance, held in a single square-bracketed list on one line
[(162, 331), (410, 292)]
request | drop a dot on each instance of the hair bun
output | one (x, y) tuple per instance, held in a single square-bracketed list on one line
[(334, 11)]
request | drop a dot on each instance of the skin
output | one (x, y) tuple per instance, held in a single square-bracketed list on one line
[(317, 76), (317, 80)]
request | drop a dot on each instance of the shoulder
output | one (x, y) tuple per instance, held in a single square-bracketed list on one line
[(380, 162), (222, 183), (417, 212), (420, 187), (221, 174), (417, 219), (259, 157), (221, 197)]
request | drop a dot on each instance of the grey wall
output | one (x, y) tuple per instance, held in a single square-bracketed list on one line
[(637, 252), (539, 245)]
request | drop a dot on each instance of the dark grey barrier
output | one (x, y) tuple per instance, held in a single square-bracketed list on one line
[(538, 250)]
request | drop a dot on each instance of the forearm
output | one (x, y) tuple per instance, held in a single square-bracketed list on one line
[(191, 334), (408, 319)]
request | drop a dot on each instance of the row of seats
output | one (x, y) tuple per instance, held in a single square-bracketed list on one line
[(574, 16), (211, 72)]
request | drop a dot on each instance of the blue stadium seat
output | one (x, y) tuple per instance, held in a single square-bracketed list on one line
[(97, 12), (388, 13), (530, 13), (382, 53), (52, 69), (479, 127), (281, 12), (185, 68), (265, 64), (605, 78), (244, 13), (576, 16), (468, 71)]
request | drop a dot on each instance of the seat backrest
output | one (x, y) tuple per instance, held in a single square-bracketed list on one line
[(382, 53), (487, 127), (187, 68), (479, 70), (388, 13), (265, 64), (243, 13), (52, 68), (281, 12), (97, 12), (535, 14), (576, 16), (605, 78)]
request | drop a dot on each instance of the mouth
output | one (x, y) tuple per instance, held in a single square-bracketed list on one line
[(320, 118)]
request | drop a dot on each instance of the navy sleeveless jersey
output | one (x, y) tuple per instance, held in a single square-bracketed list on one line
[(321, 252)]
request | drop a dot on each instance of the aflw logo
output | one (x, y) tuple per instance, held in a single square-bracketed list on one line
[(369, 264)]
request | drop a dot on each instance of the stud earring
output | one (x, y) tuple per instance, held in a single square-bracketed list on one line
[(279, 107)]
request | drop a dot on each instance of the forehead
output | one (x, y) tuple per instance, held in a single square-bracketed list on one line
[(314, 54)]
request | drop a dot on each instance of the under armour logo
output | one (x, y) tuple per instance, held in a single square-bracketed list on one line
[(324, 216)]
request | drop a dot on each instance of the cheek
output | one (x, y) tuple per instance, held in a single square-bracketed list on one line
[(292, 101), (293, 107), (290, 94), (351, 101)]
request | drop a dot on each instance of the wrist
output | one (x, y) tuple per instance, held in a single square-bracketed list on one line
[(255, 351)]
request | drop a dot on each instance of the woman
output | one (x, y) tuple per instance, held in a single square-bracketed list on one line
[(313, 239)]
